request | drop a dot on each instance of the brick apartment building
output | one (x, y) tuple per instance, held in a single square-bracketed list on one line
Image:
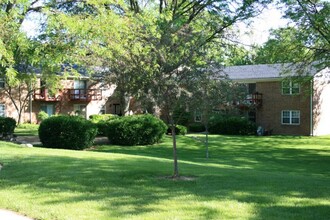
[(77, 96), (283, 105), (275, 103)]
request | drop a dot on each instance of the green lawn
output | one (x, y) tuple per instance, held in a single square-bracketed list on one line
[(245, 178), (26, 130)]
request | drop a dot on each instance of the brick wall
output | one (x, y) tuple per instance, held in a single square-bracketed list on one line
[(269, 114)]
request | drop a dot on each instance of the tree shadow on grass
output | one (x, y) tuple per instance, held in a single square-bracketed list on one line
[(131, 186)]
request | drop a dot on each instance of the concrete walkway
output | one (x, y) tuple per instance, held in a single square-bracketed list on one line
[(9, 215)]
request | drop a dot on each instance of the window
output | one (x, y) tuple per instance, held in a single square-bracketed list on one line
[(80, 110), (102, 110), (2, 110), (290, 117), (49, 109), (290, 88), (198, 116), (2, 83)]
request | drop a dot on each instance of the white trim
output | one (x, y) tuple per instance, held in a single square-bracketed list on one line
[(290, 117), (291, 86), (3, 110), (197, 116)]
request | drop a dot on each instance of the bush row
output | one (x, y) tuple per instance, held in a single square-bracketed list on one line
[(7, 125), (74, 132), (135, 130), (101, 121), (67, 132), (231, 126)]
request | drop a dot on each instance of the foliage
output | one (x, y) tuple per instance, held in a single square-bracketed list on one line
[(282, 47), (7, 125), (135, 130), (103, 117), (42, 116), (179, 130), (101, 122), (305, 43), (312, 20), (23, 57), (231, 126), (196, 127), (67, 132)]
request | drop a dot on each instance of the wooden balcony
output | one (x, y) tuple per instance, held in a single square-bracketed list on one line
[(252, 101), (42, 94), (84, 95)]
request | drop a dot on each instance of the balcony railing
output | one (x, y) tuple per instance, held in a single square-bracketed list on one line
[(43, 95), (252, 101), (84, 94)]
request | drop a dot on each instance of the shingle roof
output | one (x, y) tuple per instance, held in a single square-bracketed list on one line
[(265, 72), (255, 72)]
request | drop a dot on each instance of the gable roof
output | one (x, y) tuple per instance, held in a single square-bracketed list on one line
[(261, 72)]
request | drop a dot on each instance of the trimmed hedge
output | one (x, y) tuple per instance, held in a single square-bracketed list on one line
[(67, 132), (7, 125), (101, 122), (231, 126), (196, 127), (135, 130), (179, 130)]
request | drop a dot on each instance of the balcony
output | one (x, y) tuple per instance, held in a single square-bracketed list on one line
[(42, 94), (252, 101), (84, 95)]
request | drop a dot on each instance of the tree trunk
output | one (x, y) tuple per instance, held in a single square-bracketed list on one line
[(207, 140), (175, 156), (125, 103)]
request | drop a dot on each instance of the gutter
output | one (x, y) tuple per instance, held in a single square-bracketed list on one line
[(311, 108)]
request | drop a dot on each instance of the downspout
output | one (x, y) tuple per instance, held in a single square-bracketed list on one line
[(311, 108), (30, 103)]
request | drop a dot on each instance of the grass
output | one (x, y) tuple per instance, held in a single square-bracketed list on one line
[(245, 178), (27, 130)]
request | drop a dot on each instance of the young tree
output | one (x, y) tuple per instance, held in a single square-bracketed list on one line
[(154, 48)]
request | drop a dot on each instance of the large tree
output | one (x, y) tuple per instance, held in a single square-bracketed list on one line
[(307, 41), (154, 49), (21, 56)]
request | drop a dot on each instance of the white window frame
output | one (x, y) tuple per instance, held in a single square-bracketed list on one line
[(291, 87), (80, 109), (103, 110), (2, 83), (291, 115), (50, 109), (2, 110), (197, 116)]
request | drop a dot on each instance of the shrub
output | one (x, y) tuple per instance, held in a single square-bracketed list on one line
[(7, 125), (67, 132), (231, 126), (101, 122), (196, 127), (179, 130), (135, 130), (42, 116), (101, 118)]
